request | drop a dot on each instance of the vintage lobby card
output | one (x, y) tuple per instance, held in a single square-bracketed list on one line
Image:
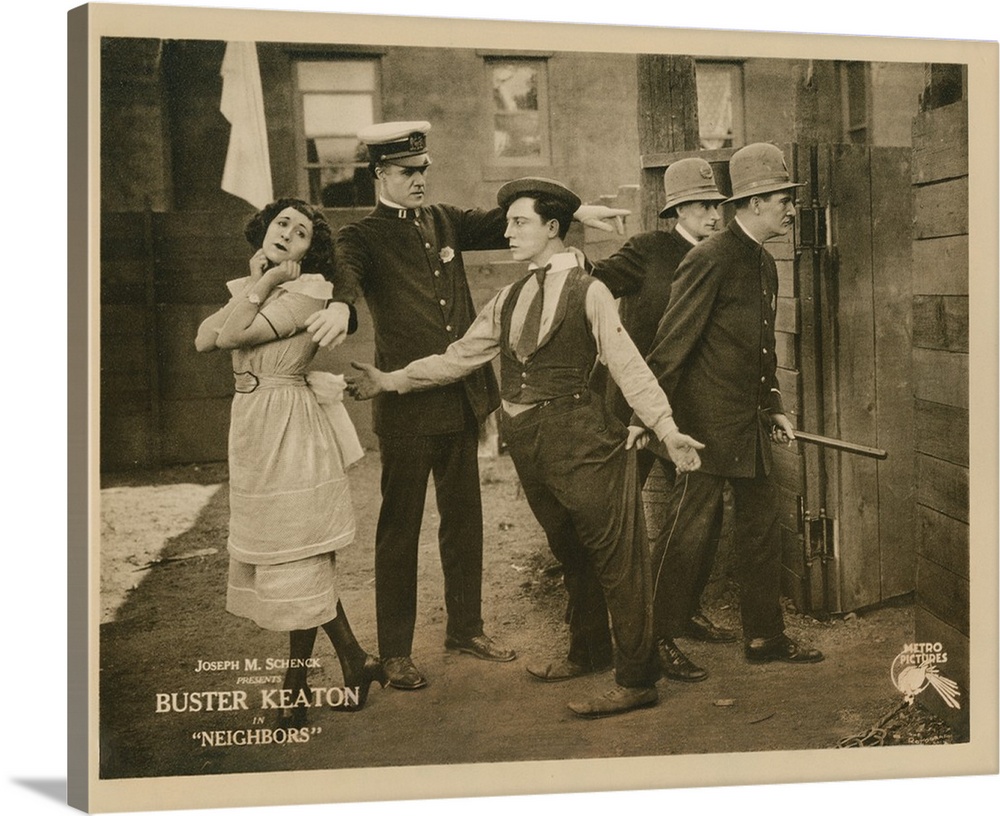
[(190, 120)]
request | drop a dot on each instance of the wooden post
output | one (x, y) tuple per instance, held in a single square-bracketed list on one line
[(668, 119)]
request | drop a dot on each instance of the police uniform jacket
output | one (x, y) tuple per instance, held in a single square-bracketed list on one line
[(714, 351), (408, 266), (651, 257)]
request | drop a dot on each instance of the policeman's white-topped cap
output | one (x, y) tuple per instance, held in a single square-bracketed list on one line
[(687, 180), (534, 186), (758, 169), (401, 143)]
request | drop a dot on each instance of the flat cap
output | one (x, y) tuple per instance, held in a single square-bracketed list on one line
[(402, 143), (533, 186)]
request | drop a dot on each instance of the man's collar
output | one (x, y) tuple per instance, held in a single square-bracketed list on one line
[(742, 228), (559, 262), (392, 209), (687, 236)]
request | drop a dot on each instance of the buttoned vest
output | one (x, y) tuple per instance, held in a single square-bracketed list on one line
[(562, 364)]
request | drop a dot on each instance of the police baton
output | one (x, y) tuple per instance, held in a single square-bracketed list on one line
[(839, 444)]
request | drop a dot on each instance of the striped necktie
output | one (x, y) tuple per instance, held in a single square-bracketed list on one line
[(527, 343)]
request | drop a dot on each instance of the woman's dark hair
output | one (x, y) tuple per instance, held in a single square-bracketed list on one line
[(550, 208), (319, 256)]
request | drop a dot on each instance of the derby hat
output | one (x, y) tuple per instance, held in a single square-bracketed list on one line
[(758, 169), (689, 180)]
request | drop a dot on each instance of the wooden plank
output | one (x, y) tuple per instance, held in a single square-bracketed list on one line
[(124, 319), (789, 385), (941, 266), (941, 143), (856, 505), (892, 291), (788, 468), (944, 594), (785, 348), (123, 357), (786, 318), (942, 431), (195, 430), (786, 278), (943, 487), (930, 629), (941, 209), (126, 441), (943, 540), (123, 237), (186, 373), (941, 322), (941, 376)]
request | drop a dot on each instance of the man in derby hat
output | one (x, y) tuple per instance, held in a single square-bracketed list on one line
[(692, 199), (574, 459), (405, 259), (714, 356)]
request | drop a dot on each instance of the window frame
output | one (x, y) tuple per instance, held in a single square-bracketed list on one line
[(303, 166)]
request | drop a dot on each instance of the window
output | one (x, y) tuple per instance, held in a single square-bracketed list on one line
[(519, 111), (336, 99), (720, 104), (854, 87)]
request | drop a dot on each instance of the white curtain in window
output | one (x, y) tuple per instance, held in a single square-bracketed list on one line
[(247, 173)]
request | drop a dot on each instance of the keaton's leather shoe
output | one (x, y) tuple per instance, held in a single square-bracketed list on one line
[(676, 665), (403, 674), (481, 646), (701, 628), (780, 647), (562, 668), (617, 701)]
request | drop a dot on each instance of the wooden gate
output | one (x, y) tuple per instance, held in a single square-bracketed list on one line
[(844, 350)]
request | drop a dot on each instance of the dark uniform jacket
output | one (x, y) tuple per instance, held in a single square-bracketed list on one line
[(714, 351), (651, 257), (410, 272)]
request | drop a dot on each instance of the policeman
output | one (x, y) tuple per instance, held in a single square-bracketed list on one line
[(405, 259), (714, 356)]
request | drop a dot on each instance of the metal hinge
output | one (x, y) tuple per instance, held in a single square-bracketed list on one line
[(818, 533)]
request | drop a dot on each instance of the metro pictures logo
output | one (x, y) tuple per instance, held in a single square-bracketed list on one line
[(916, 667)]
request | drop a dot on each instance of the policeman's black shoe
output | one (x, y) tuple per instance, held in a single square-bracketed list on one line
[(701, 628), (780, 647), (481, 646), (678, 666)]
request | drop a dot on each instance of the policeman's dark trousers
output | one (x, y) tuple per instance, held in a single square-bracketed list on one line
[(580, 483), (407, 463), (685, 549)]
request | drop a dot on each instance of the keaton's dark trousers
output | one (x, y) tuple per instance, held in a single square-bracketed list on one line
[(685, 549), (407, 463), (581, 485)]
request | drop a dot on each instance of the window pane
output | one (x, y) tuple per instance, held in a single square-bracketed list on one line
[(347, 75), (516, 135), (515, 86), (335, 114), (715, 105)]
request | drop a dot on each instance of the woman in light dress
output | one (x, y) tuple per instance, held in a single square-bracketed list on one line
[(290, 441)]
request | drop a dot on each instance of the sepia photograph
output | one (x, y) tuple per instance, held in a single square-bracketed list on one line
[(490, 408)]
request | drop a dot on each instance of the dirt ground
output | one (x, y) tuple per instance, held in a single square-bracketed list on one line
[(163, 575)]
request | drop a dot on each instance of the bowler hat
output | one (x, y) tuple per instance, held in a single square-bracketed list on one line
[(532, 186), (402, 143), (689, 180), (758, 169)]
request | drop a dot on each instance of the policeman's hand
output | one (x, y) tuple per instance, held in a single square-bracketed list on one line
[(369, 382), (782, 429), (328, 326), (597, 216), (683, 451), (638, 437)]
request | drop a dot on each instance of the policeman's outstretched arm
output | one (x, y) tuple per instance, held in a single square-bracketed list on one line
[(329, 326)]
